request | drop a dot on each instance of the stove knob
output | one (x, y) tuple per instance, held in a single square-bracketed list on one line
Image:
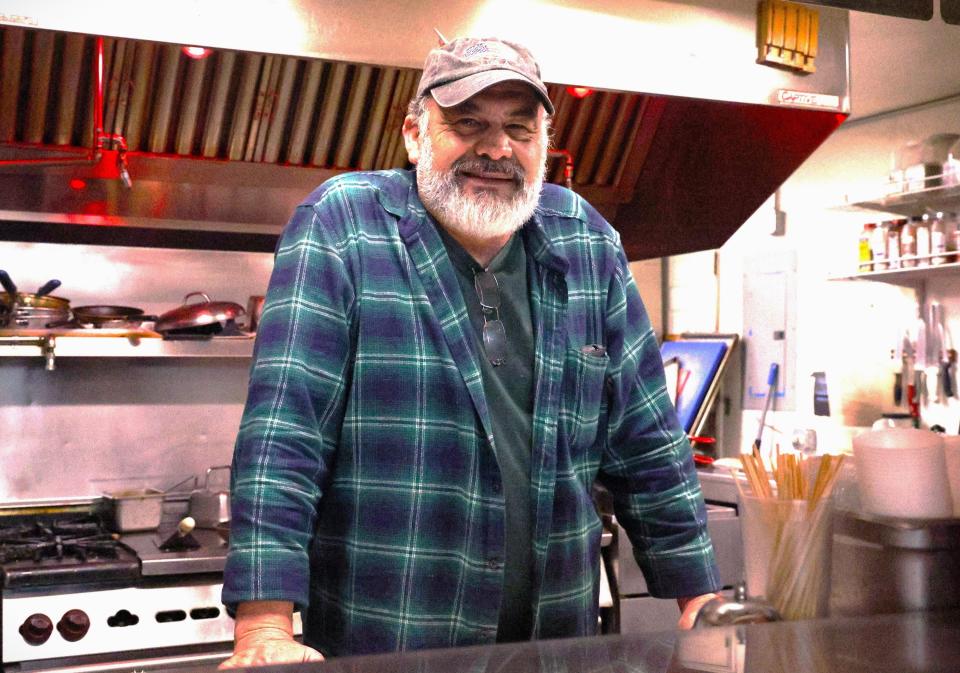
[(36, 629), (73, 625)]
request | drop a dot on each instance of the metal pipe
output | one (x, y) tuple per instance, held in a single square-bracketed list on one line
[(98, 100), (94, 154)]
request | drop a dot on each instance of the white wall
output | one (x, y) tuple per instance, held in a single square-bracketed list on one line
[(845, 328), (646, 274)]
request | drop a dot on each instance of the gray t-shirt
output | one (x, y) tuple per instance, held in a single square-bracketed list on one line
[(509, 392)]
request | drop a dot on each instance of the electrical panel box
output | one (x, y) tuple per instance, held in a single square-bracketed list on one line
[(769, 328)]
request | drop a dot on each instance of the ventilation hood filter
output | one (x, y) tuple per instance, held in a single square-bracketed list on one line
[(684, 137)]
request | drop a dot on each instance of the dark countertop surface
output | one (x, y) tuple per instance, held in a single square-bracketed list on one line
[(898, 643)]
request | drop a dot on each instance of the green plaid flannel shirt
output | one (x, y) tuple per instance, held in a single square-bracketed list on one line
[(365, 485)]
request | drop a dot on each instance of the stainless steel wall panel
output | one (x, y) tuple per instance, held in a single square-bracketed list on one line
[(140, 90), (217, 109), (187, 126), (242, 106), (13, 45), (304, 111), (113, 80), (643, 117), (163, 97), (41, 61), (350, 128), (71, 65), (263, 104), (373, 136), (597, 143), (610, 161), (124, 91), (333, 97), (95, 424), (396, 111), (577, 133), (276, 136)]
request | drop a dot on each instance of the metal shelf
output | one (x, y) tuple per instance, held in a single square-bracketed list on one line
[(51, 345), (943, 198), (907, 277)]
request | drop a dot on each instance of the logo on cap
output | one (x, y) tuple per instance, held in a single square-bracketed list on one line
[(476, 49)]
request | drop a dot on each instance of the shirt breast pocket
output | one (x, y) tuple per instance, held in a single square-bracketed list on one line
[(583, 396)]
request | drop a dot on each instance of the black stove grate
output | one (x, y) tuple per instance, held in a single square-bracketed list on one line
[(71, 551)]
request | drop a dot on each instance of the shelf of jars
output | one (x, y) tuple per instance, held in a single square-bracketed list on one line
[(909, 276)]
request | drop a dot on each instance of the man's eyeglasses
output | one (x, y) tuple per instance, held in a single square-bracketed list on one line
[(494, 335)]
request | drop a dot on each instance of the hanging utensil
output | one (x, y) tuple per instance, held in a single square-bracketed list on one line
[(771, 392)]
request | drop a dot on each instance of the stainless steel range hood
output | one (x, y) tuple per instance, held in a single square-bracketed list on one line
[(684, 138)]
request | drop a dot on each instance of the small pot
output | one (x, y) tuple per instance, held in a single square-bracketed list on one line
[(28, 300), (205, 314), (210, 508)]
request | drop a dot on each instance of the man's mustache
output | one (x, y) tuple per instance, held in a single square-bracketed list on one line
[(508, 168)]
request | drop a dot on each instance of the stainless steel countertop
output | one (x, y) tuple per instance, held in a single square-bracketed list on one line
[(926, 642), (210, 557)]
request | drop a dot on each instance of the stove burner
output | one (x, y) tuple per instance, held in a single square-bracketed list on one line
[(46, 552), (37, 541)]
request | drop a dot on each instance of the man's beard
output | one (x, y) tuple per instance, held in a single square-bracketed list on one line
[(486, 214)]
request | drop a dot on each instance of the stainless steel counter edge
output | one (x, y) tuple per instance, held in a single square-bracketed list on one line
[(924, 642)]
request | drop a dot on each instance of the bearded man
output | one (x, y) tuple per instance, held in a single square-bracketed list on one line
[(447, 362)]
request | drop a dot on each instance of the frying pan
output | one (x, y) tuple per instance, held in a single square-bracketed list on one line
[(100, 314)]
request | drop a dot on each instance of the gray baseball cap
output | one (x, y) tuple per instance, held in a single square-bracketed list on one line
[(466, 66)]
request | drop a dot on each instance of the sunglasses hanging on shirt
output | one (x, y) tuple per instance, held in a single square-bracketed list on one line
[(494, 334)]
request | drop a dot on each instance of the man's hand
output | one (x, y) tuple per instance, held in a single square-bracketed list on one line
[(689, 607), (264, 635)]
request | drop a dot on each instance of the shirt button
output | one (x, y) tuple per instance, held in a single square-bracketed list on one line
[(494, 563), (497, 488)]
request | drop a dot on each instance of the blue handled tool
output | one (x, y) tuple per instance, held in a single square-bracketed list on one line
[(771, 392)]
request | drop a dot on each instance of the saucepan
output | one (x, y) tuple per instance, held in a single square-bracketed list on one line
[(31, 310), (204, 317)]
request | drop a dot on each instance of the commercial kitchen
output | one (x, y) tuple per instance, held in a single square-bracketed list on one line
[(785, 178)]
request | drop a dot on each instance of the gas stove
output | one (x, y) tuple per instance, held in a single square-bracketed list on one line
[(73, 593), (63, 552)]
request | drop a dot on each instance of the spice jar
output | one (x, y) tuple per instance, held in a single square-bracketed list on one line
[(893, 243), (938, 239), (908, 242), (865, 254), (951, 228), (923, 240), (878, 244)]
